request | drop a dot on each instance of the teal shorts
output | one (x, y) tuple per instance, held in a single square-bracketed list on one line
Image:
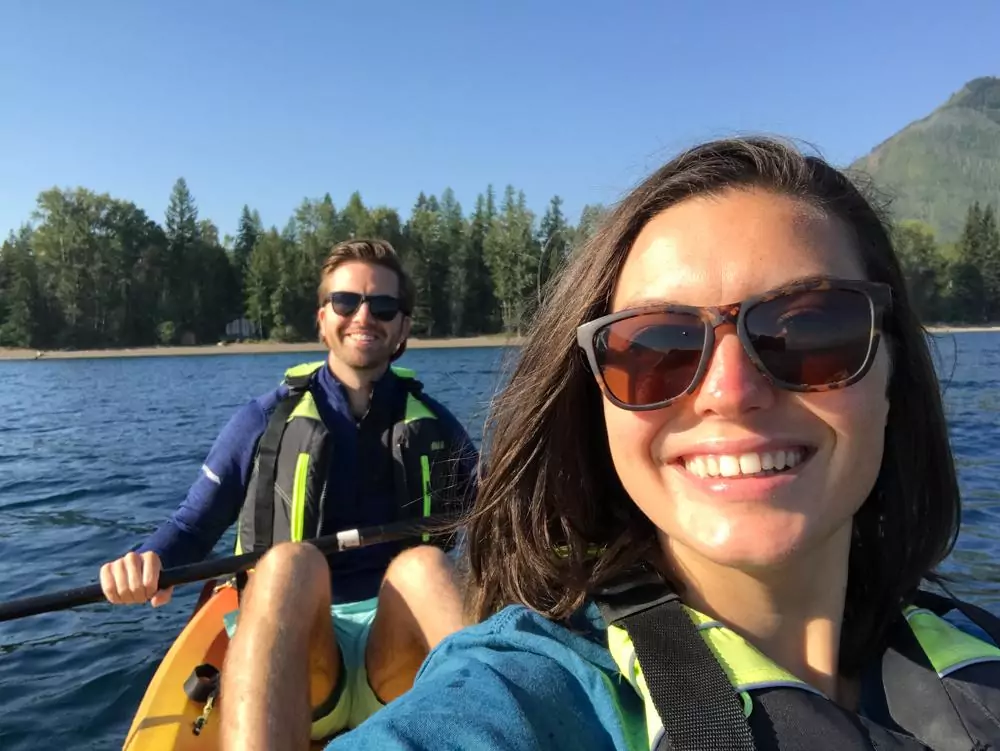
[(352, 700)]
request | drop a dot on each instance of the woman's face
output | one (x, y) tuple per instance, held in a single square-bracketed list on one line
[(719, 250)]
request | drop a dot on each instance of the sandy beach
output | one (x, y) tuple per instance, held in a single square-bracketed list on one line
[(254, 348), (960, 329), (260, 348)]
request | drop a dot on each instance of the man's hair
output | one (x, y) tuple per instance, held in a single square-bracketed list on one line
[(374, 251)]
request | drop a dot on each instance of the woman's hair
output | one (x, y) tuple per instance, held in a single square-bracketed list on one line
[(551, 483)]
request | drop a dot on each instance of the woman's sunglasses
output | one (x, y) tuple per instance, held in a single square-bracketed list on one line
[(382, 307), (818, 335)]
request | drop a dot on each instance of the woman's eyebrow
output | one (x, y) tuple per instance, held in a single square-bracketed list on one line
[(648, 302)]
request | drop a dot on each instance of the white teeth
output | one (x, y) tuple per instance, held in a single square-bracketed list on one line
[(729, 466), (698, 466), (745, 465), (750, 464)]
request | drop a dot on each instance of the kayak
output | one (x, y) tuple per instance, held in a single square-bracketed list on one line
[(167, 716), (180, 709)]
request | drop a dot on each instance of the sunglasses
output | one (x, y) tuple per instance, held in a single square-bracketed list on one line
[(383, 307), (817, 335)]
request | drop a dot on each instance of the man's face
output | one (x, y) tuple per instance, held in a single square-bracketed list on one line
[(355, 335)]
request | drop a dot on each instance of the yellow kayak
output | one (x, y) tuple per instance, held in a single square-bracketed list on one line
[(180, 710), (167, 717)]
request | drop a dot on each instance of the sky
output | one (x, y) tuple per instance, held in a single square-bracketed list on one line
[(266, 104)]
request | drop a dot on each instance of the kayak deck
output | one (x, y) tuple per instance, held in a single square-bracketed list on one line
[(166, 716)]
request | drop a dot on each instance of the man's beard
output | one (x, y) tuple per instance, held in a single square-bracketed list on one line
[(372, 359)]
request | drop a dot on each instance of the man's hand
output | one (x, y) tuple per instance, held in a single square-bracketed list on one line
[(133, 578)]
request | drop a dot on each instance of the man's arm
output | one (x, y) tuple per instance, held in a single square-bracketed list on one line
[(463, 459), (461, 478), (212, 504), (214, 500)]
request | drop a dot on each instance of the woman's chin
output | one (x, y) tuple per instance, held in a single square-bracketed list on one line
[(751, 545)]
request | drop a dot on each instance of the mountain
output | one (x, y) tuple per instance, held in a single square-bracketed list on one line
[(935, 167)]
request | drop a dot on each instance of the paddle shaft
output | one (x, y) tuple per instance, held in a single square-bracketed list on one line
[(346, 540)]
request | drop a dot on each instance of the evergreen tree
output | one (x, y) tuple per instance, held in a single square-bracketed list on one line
[(511, 253), (246, 237), (19, 298), (182, 234), (554, 243)]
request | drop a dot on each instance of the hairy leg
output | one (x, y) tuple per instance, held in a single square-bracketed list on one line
[(420, 603), (284, 659)]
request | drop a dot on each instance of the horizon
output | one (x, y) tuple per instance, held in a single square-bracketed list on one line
[(265, 107)]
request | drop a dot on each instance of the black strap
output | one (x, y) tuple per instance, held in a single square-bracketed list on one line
[(697, 704), (267, 465), (698, 707), (412, 385), (241, 579)]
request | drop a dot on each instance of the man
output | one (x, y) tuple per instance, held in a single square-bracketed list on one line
[(348, 443)]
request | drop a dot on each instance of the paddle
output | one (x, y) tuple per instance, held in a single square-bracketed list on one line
[(349, 538)]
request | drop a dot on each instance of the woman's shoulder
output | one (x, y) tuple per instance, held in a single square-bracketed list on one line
[(517, 631), (544, 684)]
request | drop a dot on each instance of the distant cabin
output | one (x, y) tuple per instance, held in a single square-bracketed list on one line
[(242, 329)]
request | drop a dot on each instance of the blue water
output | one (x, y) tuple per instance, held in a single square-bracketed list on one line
[(95, 453)]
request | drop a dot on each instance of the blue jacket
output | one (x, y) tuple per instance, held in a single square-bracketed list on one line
[(359, 499), (519, 682), (515, 682)]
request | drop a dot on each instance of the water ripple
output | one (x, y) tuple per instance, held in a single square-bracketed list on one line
[(120, 440)]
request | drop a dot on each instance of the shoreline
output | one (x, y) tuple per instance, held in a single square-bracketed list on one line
[(265, 348), (241, 348), (946, 329)]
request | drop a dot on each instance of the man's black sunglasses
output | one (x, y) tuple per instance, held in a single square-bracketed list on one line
[(383, 307)]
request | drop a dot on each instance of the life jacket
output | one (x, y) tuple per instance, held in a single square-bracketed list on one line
[(293, 457), (706, 688)]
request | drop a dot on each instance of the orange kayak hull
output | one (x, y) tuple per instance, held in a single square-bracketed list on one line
[(166, 716)]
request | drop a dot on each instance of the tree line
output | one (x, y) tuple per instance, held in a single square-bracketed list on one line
[(954, 282), (93, 271)]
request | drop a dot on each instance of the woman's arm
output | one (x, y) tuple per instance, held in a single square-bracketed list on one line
[(515, 682)]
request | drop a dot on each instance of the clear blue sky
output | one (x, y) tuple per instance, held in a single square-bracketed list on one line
[(268, 103)]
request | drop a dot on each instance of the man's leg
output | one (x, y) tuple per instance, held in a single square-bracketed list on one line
[(419, 604), (284, 658)]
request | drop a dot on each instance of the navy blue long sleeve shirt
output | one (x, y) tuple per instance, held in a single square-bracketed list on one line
[(360, 490)]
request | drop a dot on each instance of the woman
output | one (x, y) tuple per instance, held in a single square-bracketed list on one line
[(724, 438)]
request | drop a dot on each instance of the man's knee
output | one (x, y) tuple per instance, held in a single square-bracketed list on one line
[(291, 564), (413, 569)]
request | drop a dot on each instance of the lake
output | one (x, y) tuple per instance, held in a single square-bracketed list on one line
[(94, 454)]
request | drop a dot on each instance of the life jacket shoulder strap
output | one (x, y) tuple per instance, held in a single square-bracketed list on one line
[(635, 592), (940, 605), (267, 461), (692, 695)]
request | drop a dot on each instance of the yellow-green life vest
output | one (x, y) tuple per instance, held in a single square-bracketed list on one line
[(286, 495), (941, 685)]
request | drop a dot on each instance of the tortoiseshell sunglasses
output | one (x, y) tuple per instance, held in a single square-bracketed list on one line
[(815, 335)]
